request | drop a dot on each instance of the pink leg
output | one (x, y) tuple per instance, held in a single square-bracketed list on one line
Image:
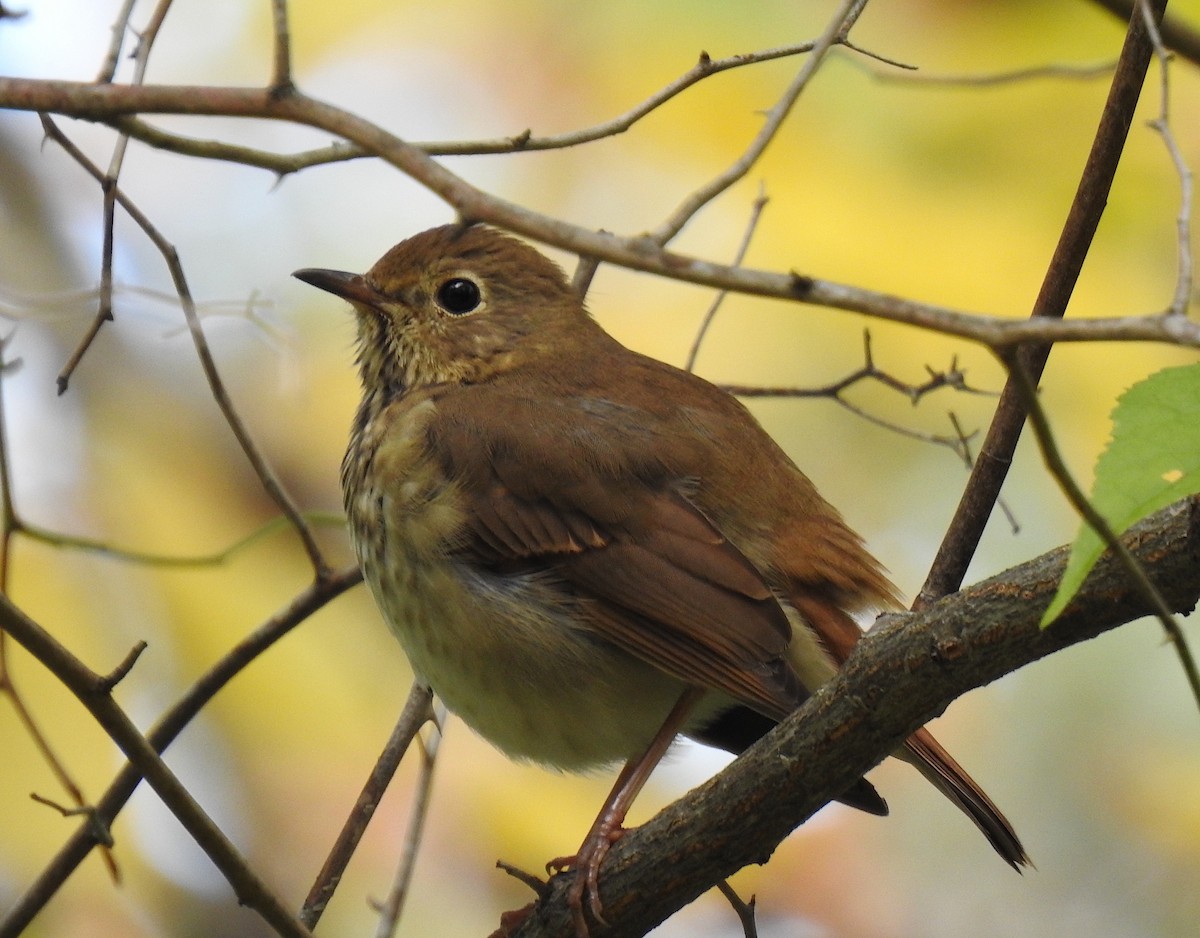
[(607, 829)]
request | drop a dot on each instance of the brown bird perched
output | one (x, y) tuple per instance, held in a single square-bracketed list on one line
[(586, 552)]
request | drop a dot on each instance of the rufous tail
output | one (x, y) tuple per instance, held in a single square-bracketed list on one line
[(932, 761)]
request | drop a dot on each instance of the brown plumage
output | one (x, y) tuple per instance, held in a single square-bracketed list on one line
[(568, 536)]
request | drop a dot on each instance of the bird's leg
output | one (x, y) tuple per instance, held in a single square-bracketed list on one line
[(607, 829)]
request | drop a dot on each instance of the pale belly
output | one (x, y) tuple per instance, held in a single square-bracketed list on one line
[(509, 655), (511, 661)]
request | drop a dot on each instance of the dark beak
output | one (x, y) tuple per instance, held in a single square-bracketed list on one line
[(348, 286)]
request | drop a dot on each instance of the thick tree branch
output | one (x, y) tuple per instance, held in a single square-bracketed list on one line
[(904, 673)]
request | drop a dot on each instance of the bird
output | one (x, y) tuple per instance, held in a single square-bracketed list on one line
[(586, 552)]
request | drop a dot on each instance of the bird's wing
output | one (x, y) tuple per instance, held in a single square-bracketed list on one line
[(647, 570)]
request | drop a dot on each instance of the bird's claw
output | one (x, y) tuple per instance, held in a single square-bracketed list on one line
[(586, 866)]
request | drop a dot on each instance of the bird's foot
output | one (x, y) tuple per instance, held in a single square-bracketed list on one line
[(586, 866)]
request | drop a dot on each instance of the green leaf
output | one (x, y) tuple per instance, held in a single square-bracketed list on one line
[(1152, 461)]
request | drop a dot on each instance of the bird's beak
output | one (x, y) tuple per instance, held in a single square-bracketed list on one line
[(348, 286)]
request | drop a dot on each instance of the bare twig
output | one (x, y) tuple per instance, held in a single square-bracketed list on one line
[(417, 711), (100, 830), (743, 910), (108, 68), (121, 671), (172, 723), (997, 79), (951, 378), (88, 688), (393, 907), (525, 142), (964, 449), (756, 210), (975, 507), (281, 61), (838, 26), (109, 181), (147, 558), (1162, 124), (261, 468)]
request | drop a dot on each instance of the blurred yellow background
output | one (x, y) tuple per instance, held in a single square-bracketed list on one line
[(953, 195)]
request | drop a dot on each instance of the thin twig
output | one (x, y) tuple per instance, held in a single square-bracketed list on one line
[(108, 68), (997, 79), (756, 210), (837, 27), (281, 60), (87, 687), (951, 378), (108, 186), (1162, 124), (261, 468), (417, 711), (169, 726), (393, 907), (991, 468), (525, 142), (150, 559), (100, 830), (121, 671), (743, 910), (964, 449), (10, 522)]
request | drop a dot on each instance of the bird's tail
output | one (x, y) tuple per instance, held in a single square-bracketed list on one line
[(932, 761), (839, 633)]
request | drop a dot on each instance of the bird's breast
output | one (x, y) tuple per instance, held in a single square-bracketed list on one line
[(509, 653)]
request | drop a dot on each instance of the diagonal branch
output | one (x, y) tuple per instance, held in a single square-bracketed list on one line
[(983, 488), (162, 735), (93, 692), (103, 102), (837, 27), (905, 672), (258, 462)]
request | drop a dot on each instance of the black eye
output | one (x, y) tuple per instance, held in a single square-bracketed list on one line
[(458, 296)]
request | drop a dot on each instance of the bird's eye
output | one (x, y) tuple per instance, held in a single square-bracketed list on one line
[(458, 296)]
